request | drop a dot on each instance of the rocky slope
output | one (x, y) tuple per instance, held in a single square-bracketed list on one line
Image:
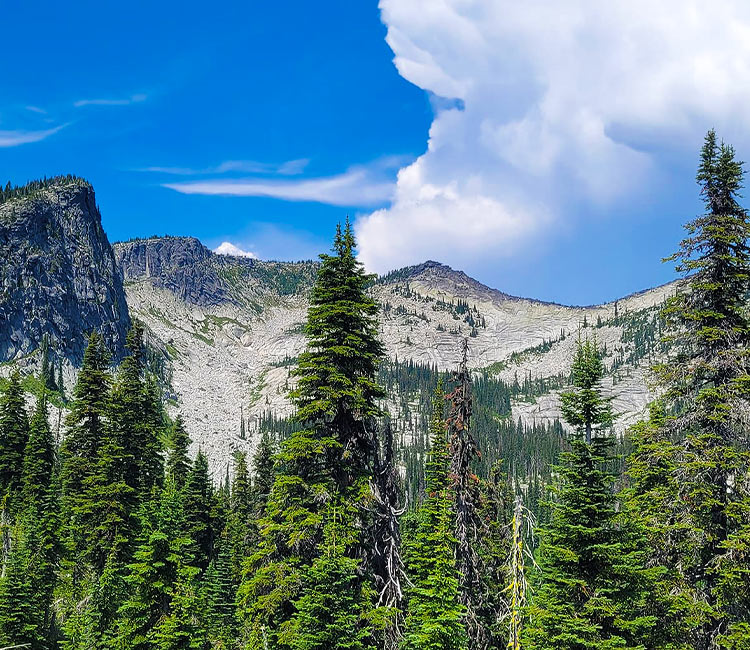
[(229, 328), (57, 273), (230, 354)]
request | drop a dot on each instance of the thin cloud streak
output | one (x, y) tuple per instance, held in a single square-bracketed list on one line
[(16, 138), (133, 99), (288, 168), (356, 187)]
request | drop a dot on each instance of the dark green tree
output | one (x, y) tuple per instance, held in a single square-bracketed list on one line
[(197, 504), (435, 619), (178, 462), (595, 586), (706, 381), (333, 453), (14, 433)]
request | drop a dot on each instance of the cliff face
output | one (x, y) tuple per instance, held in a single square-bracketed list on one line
[(181, 265), (57, 274)]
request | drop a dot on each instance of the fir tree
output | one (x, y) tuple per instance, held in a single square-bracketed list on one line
[(198, 503), (178, 461), (707, 381), (38, 459), (241, 526), (331, 612), (14, 433), (334, 452), (595, 586), (85, 425), (435, 614)]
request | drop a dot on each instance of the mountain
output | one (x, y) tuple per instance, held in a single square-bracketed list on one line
[(230, 354), (227, 329), (58, 273)]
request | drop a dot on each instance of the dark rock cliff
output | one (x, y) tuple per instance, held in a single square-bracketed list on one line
[(57, 274)]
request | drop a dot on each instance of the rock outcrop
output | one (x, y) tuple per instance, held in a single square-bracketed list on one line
[(58, 275)]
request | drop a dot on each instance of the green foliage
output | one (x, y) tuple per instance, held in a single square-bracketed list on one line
[(333, 453), (14, 433), (595, 587), (435, 614)]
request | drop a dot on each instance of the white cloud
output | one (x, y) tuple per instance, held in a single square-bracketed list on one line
[(360, 186), (15, 138), (288, 168), (228, 248), (125, 101), (559, 105)]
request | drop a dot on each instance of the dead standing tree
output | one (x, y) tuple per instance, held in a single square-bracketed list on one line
[(468, 525), (386, 561)]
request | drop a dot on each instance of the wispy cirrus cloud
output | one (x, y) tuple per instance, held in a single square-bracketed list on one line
[(123, 101), (18, 137), (359, 186), (288, 168)]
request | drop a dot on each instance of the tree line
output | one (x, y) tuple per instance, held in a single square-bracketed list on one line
[(114, 538)]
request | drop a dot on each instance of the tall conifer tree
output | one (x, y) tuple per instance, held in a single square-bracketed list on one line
[(334, 452), (595, 585), (707, 382)]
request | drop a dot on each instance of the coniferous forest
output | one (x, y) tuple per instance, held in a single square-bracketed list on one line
[(482, 534)]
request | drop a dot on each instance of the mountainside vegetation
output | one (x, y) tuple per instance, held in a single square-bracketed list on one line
[(401, 506)]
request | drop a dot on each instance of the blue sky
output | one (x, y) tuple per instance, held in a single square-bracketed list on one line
[(549, 155)]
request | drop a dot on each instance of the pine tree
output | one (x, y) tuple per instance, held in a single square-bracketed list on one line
[(435, 613), (14, 433), (595, 587), (707, 381), (334, 452)]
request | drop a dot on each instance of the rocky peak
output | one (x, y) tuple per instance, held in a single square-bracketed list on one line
[(441, 278), (182, 265), (57, 272)]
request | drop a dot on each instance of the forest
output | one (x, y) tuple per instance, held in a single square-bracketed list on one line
[(479, 533)]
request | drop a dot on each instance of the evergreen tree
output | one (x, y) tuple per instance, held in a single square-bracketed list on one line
[(331, 612), (435, 614), (85, 425), (334, 452), (198, 503), (241, 526), (14, 433), (595, 587), (707, 381), (219, 593), (178, 461), (38, 460)]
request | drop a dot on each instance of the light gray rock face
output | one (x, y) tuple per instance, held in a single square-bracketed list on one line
[(58, 275), (230, 358)]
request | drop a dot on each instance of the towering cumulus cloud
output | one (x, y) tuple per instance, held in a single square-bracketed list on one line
[(546, 106)]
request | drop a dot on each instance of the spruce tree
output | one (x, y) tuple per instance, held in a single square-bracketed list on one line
[(707, 380), (595, 585)]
